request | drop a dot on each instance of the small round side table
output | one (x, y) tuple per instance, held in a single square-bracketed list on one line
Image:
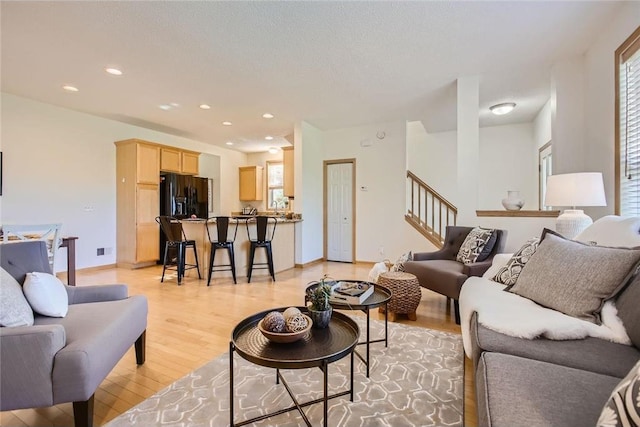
[(405, 291)]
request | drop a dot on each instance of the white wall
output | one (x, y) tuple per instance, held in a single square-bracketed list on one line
[(468, 148), (542, 127), (506, 158), (380, 208), (506, 164), (209, 167), (308, 142), (431, 156), (600, 101), (59, 166)]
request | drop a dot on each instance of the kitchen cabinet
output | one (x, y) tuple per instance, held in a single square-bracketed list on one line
[(137, 203), (251, 183), (170, 160), (190, 163), (179, 161), (287, 165)]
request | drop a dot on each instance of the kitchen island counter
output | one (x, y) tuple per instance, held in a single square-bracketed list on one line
[(283, 245)]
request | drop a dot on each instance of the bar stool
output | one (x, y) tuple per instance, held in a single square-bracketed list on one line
[(221, 241), (262, 240), (176, 241)]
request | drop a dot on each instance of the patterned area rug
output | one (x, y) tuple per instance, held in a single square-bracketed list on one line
[(416, 381)]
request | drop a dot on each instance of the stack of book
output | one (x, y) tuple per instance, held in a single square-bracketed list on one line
[(350, 292)]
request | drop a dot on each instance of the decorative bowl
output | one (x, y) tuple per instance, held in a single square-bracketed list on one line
[(286, 337)]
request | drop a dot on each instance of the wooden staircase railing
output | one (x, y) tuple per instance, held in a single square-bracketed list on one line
[(428, 211)]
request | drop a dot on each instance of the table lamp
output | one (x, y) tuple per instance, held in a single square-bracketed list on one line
[(574, 189)]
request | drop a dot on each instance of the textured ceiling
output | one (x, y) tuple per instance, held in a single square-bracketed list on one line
[(332, 64)]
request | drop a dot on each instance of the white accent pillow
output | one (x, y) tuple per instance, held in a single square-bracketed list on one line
[(499, 261), (14, 308), (613, 231), (46, 294)]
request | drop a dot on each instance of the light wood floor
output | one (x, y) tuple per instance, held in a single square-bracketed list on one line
[(191, 324)]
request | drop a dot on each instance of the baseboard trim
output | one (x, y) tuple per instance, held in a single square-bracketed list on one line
[(310, 263), (371, 263), (87, 269)]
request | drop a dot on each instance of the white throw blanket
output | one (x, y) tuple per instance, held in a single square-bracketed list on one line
[(520, 317)]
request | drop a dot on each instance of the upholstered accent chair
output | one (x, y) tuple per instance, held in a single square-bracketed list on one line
[(65, 359), (440, 272)]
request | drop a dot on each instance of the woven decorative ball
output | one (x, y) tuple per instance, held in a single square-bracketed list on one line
[(296, 322), (274, 322), (291, 311)]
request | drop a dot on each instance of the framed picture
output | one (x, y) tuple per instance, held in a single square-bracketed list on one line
[(210, 194)]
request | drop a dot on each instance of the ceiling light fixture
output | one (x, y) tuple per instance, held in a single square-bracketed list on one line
[(273, 150), (113, 71), (229, 143), (504, 108), (267, 116), (205, 106), (227, 123), (70, 88), (165, 107), (175, 104), (268, 138)]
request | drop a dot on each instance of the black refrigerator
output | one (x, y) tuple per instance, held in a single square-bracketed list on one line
[(182, 196)]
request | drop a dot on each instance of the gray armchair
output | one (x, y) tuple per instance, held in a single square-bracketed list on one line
[(440, 272), (60, 360)]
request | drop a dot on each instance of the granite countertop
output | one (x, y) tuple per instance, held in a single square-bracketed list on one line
[(239, 218)]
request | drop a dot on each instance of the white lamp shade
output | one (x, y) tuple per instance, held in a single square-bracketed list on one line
[(575, 189)]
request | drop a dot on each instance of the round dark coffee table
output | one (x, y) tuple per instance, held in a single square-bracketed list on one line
[(379, 298), (320, 348)]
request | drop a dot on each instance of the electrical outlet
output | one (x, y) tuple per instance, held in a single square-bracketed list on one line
[(100, 251), (108, 251)]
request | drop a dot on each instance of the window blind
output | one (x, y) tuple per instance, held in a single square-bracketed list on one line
[(629, 122)]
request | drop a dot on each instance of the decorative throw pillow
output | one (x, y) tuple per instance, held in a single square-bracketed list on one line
[(623, 407), (46, 294), (399, 265), (474, 244), (574, 278), (508, 274), (14, 308)]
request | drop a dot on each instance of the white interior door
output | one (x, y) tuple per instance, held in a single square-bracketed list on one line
[(340, 212)]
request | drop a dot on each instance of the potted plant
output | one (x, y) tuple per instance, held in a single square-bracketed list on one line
[(319, 308)]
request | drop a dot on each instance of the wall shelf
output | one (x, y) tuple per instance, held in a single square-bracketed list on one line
[(521, 214)]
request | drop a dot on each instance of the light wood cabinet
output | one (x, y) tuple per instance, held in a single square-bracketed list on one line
[(251, 179), (190, 163), (287, 166), (179, 161), (170, 160), (137, 203)]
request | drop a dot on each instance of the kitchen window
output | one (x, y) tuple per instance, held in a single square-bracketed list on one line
[(275, 186), (628, 126)]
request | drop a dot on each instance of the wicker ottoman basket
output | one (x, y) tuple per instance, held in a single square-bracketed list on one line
[(405, 291)]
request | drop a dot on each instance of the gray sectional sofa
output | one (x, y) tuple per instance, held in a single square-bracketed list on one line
[(544, 382), (60, 360)]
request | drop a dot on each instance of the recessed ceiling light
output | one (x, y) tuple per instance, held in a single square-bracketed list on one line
[(504, 108), (174, 104), (273, 150), (267, 116), (70, 88), (227, 123), (164, 107), (113, 71), (205, 106), (229, 143), (268, 138)]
